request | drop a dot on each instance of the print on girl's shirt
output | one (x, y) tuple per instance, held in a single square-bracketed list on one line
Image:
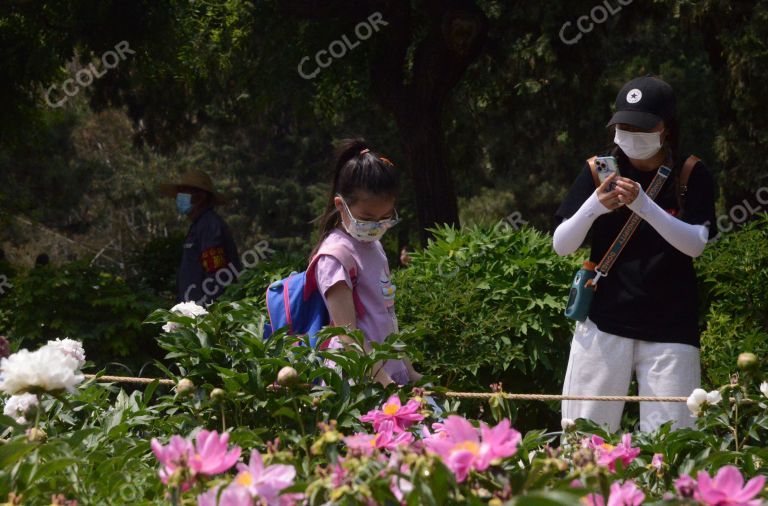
[(387, 288), (388, 291)]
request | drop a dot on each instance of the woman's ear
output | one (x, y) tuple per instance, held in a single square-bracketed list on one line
[(339, 204)]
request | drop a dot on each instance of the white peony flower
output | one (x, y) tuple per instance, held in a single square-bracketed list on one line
[(47, 369), (764, 388), (567, 423), (171, 326), (695, 400), (714, 397), (185, 309), (189, 309), (699, 397), (18, 406), (70, 347)]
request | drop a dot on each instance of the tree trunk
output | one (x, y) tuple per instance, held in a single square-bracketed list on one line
[(422, 138), (436, 53)]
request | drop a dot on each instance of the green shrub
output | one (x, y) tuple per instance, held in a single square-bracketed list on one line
[(487, 305), (156, 264), (733, 277), (85, 303), (253, 281)]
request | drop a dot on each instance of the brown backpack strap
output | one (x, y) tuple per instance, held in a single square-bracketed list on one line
[(685, 172), (593, 169), (682, 181)]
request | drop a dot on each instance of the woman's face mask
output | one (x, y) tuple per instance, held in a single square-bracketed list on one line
[(366, 231), (638, 145)]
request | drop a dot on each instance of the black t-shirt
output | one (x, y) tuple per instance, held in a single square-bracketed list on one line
[(650, 293)]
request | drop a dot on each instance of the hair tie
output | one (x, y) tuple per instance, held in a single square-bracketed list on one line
[(386, 160), (366, 150)]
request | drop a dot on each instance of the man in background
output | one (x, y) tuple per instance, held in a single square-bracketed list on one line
[(209, 259)]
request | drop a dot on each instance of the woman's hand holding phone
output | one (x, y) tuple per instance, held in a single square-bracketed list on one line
[(628, 190), (609, 197)]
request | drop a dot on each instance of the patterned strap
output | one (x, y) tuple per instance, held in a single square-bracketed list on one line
[(629, 228)]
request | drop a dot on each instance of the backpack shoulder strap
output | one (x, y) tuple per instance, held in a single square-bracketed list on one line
[(593, 169), (343, 255), (685, 172), (682, 180), (340, 253)]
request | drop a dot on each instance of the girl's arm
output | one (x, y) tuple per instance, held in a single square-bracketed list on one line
[(341, 308)]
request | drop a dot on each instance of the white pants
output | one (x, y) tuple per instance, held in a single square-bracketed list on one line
[(602, 364)]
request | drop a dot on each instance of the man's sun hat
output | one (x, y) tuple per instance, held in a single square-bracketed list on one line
[(194, 178), (643, 102)]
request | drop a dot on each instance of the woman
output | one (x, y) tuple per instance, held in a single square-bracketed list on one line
[(644, 316)]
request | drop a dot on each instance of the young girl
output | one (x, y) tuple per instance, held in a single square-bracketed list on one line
[(352, 273)]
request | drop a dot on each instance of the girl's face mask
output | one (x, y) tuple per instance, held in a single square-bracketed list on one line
[(367, 231), (638, 145)]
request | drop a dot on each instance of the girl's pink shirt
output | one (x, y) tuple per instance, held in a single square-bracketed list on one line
[(373, 287)]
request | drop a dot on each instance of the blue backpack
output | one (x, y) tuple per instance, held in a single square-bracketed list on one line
[(296, 303)]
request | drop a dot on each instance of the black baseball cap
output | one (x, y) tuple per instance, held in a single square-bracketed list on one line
[(643, 102)]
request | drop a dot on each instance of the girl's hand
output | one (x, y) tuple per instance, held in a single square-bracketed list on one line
[(413, 375), (381, 375), (609, 199), (628, 190)]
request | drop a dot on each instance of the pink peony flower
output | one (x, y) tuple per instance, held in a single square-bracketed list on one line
[(657, 462), (461, 447), (727, 488), (685, 486), (593, 500), (172, 457), (384, 440), (233, 495), (399, 486), (401, 416), (625, 495), (264, 482), (211, 455), (607, 454), (207, 455), (363, 443), (621, 495), (387, 440)]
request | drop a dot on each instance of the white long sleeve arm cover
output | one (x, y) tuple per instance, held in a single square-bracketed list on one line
[(687, 238), (570, 234)]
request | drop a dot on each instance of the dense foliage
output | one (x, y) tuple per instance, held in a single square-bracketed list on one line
[(733, 274), (78, 300), (326, 434), (486, 305)]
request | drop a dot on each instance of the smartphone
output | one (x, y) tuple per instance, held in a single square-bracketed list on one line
[(606, 165)]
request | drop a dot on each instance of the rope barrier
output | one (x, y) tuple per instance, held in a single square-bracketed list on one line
[(552, 397), (128, 379), (458, 395)]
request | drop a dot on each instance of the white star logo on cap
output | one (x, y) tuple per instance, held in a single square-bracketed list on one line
[(634, 96)]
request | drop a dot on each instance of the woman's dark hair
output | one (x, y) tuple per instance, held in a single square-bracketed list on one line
[(357, 168)]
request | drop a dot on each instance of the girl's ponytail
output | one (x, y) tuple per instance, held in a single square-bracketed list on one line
[(357, 168)]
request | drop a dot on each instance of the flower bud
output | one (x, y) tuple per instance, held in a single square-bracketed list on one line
[(747, 361), (218, 395), (185, 387), (36, 435), (287, 377)]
